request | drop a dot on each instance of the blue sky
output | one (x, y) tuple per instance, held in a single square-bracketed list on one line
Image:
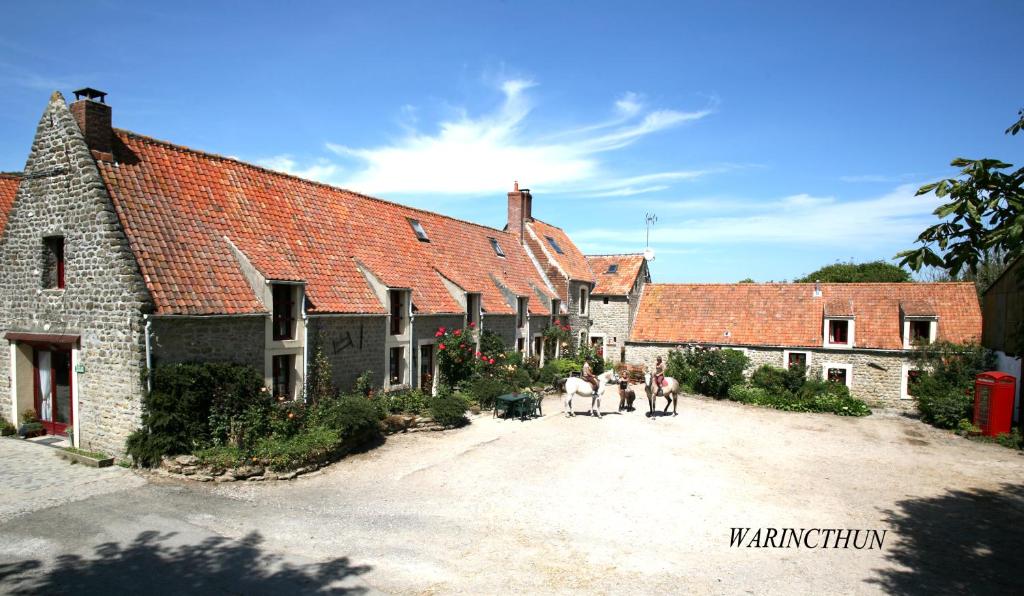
[(769, 138)]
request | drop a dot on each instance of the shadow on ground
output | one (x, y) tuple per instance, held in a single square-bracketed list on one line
[(150, 565), (962, 542)]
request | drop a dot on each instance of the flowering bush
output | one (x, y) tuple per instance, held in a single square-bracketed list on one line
[(457, 356), (557, 334)]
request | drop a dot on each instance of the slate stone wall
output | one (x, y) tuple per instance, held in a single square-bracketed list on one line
[(352, 344), (210, 339), (503, 325), (612, 321), (104, 299)]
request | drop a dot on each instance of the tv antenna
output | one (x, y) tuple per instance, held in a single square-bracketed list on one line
[(650, 219)]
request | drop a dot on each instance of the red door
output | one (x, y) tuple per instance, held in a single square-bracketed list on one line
[(53, 389)]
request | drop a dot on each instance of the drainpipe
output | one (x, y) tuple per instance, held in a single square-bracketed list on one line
[(149, 353), (412, 342), (305, 347)]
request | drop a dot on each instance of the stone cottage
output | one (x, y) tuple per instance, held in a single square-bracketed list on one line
[(614, 300), (121, 252), (859, 334)]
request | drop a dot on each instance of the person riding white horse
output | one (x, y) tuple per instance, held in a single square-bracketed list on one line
[(580, 386), (658, 383)]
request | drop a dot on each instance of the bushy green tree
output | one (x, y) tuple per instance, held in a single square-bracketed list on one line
[(875, 271)]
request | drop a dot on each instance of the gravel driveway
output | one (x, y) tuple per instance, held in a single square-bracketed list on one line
[(623, 504)]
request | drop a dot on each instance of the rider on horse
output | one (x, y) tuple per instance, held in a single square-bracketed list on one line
[(659, 375), (588, 374)]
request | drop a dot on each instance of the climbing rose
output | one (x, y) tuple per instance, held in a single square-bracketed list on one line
[(478, 354), (440, 329), (438, 334), (491, 361), (472, 324), (458, 332), (440, 347)]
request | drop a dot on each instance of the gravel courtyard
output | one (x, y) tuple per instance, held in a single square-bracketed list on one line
[(618, 505)]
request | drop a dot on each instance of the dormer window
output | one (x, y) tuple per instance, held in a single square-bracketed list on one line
[(839, 332), (613, 268), (497, 247), (284, 311), (473, 309), (554, 245), (919, 330), (53, 263), (417, 228), (396, 300), (521, 311)]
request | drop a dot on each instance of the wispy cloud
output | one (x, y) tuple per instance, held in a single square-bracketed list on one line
[(470, 155), (894, 218)]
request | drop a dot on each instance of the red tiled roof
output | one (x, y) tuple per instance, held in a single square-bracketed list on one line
[(8, 188), (788, 314), (571, 261), (180, 208), (621, 281)]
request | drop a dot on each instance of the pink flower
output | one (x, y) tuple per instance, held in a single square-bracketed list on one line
[(462, 346), (438, 334), (441, 329), (491, 361), (472, 324), (440, 347), (458, 332), (478, 354)]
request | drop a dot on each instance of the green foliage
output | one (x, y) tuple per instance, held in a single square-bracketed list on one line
[(222, 457), (364, 384), (558, 333), (321, 382), (558, 368), (813, 396), (944, 389), (1012, 439), (6, 428), (449, 409), (312, 446), (777, 381), (982, 215), (29, 416), (709, 372), (875, 271), (746, 280), (412, 401), (485, 388), (185, 400), (457, 356), (587, 353), (353, 417)]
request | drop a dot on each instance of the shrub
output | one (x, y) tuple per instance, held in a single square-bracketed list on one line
[(943, 389), (457, 356), (221, 457), (355, 419), (558, 368), (449, 409), (364, 384), (710, 372), (311, 446), (587, 353), (748, 394), (813, 396), (485, 388), (776, 380), (6, 428), (321, 383)]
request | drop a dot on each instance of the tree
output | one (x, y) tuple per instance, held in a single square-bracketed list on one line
[(875, 271), (746, 280), (984, 215)]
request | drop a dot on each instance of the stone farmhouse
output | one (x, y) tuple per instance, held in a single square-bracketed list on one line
[(860, 334), (615, 297), (121, 252)]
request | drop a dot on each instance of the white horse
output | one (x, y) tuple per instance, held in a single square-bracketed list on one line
[(577, 386), (670, 390)]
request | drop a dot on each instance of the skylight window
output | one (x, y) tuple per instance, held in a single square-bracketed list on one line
[(554, 245), (613, 268), (496, 247), (421, 234)]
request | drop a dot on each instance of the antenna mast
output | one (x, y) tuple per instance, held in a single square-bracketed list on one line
[(651, 220)]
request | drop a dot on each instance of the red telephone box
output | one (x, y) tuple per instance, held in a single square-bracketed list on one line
[(993, 402)]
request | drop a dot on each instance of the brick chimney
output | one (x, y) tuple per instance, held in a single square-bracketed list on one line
[(520, 211), (93, 116)]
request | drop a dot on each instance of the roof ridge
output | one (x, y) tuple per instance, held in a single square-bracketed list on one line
[(200, 152), (620, 254), (12, 175), (811, 283)]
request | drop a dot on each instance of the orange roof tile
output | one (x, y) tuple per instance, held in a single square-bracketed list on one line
[(8, 188), (182, 209), (789, 315), (620, 281), (571, 261)]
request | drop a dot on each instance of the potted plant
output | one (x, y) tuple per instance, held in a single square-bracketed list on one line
[(30, 425)]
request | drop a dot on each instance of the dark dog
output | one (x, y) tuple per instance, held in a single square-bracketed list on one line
[(626, 397)]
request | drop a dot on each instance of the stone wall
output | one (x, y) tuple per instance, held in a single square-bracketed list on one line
[(210, 339), (104, 298), (503, 325), (352, 344), (612, 321), (876, 376), (578, 322)]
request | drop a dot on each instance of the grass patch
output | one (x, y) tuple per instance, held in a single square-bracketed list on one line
[(92, 454)]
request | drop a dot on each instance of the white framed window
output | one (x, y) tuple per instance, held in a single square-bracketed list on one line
[(793, 357), (838, 372), (908, 379), (919, 330), (838, 333)]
